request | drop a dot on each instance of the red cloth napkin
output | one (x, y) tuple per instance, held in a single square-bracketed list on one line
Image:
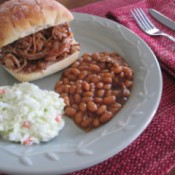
[(154, 151), (162, 47)]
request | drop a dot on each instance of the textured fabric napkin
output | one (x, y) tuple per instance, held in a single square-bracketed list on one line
[(153, 153), (162, 46)]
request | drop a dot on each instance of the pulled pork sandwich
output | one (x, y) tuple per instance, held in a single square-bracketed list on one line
[(35, 38)]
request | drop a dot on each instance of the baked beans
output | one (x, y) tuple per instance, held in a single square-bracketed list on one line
[(95, 88)]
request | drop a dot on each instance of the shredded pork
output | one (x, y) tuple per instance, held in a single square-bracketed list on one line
[(35, 52)]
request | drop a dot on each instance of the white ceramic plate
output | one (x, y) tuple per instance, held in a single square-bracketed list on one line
[(74, 149)]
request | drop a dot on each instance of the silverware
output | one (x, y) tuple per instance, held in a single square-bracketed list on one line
[(146, 25), (162, 18)]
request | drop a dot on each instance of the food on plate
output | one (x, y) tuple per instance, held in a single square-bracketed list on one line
[(95, 87), (35, 38), (28, 114)]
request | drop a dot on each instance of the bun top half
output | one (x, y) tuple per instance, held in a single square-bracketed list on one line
[(20, 18)]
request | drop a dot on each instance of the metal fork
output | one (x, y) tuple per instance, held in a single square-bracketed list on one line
[(146, 25)]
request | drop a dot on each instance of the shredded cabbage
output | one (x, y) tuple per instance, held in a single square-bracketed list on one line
[(28, 114)]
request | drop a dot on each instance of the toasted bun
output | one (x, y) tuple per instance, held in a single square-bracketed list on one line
[(53, 68), (19, 18)]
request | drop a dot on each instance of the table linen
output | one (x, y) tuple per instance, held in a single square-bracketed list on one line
[(153, 152)]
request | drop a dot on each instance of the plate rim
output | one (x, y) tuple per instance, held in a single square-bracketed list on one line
[(107, 155)]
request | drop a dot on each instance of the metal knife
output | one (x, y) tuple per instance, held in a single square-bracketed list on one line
[(162, 18)]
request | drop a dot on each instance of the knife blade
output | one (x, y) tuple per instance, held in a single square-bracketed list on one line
[(162, 18)]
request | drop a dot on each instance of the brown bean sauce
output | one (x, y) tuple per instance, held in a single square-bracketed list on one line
[(95, 88)]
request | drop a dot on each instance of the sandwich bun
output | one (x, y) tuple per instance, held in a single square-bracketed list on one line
[(21, 18)]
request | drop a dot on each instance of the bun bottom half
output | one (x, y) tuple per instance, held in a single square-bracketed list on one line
[(51, 69)]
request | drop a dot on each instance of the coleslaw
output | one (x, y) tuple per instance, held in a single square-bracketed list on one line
[(28, 114)]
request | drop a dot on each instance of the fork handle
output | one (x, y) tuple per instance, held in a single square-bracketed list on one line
[(168, 36)]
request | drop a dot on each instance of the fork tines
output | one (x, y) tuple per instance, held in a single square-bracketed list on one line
[(141, 18)]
